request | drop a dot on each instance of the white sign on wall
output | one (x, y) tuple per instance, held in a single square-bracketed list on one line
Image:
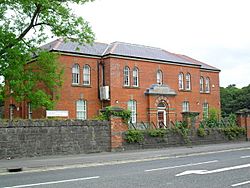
[(57, 113)]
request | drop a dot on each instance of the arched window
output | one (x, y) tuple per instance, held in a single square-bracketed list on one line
[(188, 81), (135, 77), (201, 84), (180, 80), (132, 108), (159, 77), (75, 74), (81, 109), (207, 85), (126, 76), (86, 75)]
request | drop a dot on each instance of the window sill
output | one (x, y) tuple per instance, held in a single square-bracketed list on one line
[(131, 87), (205, 92), (79, 85), (184, 90)]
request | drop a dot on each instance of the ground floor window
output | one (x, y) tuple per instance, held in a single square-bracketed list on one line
[(132, 108), (185, 106), (81, 109), (205, 110), (29, 111)]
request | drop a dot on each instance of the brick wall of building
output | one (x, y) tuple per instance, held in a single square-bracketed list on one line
[(120, 95), (147, 77)]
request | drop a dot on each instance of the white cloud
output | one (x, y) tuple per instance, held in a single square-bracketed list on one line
[(213, 31)]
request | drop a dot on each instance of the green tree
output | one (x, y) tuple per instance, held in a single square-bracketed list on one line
[(234, 99), (24, 26)]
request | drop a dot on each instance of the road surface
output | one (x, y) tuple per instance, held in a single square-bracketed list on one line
[(215, 169)]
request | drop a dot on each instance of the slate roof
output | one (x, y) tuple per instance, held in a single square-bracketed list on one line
[(203, 65), (144, 52), (96, 49), (124, 50)]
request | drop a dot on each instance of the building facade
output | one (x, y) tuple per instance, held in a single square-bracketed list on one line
[(156, 85)]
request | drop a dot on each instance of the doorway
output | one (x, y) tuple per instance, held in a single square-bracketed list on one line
[(162, 114)]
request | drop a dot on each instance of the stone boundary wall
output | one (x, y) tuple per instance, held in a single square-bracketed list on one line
[(29, 138), (174, 139)]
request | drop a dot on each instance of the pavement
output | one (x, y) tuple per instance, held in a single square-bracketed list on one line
[(47, 163)]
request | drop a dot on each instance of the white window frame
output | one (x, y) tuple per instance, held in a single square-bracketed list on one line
[(201, 84), (159, 77), (75, 74), (81, 109), (29, 111), (188, 81), (126, 73), (207, 85), (136, 77), (185, 106), (133, 108), (86, 75), (205, 110), (181, 81)]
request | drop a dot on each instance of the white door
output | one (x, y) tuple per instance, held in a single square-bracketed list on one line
[(162, 120)]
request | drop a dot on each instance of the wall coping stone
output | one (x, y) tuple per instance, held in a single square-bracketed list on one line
[(51, 123)]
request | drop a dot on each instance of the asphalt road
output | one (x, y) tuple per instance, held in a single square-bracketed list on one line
[(219, 169)]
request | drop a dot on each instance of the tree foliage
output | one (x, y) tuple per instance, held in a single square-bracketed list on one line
[(234, 99), (24, 26)]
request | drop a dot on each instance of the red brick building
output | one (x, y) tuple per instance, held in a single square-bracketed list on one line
[(156, 85)]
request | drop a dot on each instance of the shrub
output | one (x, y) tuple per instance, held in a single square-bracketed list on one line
[(181, 129), (201, 132), (105, 115), (234, 132), (134, 136), (157, 132), (232, 120)]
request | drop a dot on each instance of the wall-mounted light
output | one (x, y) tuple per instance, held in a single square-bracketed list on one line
[(116, 102)]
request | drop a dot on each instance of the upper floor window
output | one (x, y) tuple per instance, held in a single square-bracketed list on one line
[(201, 84), (81, 109), (205, 110), (75, 74), (159, 77), (135, 77), (126, 76), (207, 85), (180, 81), (185, 106), (188, 81), (132, 108), (86, 75)]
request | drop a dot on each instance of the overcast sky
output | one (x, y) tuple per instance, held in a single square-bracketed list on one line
[(216, 32)]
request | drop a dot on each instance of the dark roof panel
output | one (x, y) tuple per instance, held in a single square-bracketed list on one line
[(146, 52), (73, 47), (203, 65)]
